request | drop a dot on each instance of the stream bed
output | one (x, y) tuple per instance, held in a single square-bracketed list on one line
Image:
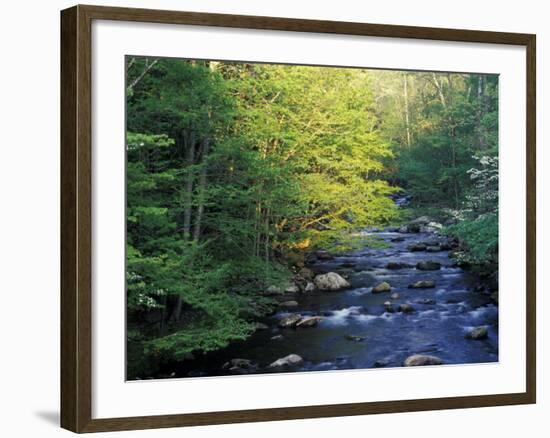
[(358, 330)]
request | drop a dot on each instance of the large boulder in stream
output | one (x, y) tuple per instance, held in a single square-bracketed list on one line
[(478, 333), (310, 321), (330, 281), (381, 287), (417, 247), (292, 289), (422, 284), (405, 308), (290, 361), (421, 360), (428, 265), (290, 320)]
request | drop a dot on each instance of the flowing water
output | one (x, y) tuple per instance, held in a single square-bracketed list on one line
[(356, 330)]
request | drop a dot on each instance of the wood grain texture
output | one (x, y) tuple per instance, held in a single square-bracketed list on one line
[(69, 331), (76, 219), (531, 217)]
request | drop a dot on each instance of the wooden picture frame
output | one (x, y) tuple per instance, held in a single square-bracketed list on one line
[(76, 218)]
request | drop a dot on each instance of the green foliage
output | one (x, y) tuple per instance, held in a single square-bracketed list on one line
[(478, 228), (451, 118), (479, 239)]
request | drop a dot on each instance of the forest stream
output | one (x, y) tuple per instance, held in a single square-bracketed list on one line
[(246, 183), (362, 329)]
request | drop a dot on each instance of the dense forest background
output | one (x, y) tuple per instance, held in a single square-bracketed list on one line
[(236, 171)]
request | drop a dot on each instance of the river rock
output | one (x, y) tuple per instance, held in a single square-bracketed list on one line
[(415, 247), (292, 360), (324, 255), (355, 338), (422, 284), (310, 287), (422, 220), (410, 228), (397, 265), (261, 326), (240, 366), (290, 320), (428, 265), (427, 301), (348, 264), (394, 296), (306, 274), (330, 281), (432, 226), (405, 308), (381, 287), (388, 307), (300, 282), (398, 239), (445, 246), (478, 333), (310, 321), (381, 363), (292, 289), (276, 337), (433, 248), (273, 290), (288, 304), (421, 360)]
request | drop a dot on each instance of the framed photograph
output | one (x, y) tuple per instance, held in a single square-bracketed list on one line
[(270, 218)]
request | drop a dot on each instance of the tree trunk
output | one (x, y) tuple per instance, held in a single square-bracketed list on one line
[(201, 190), (455, 180), (189, 145), (137, 80), (481, 111), (163, 313), (188, 193), (407, 119), (266, 242), (439, 90)]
